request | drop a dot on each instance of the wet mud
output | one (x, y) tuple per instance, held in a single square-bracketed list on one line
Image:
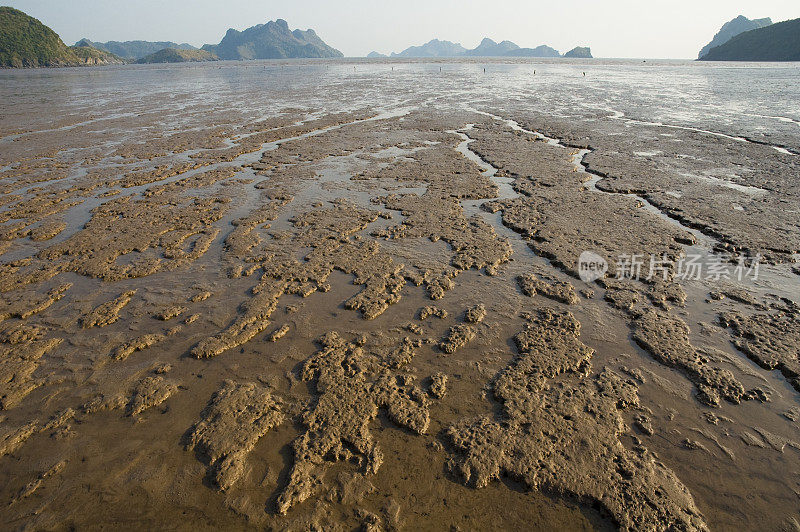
[(365, 309)]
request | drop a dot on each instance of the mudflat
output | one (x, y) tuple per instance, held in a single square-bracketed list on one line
[(399, 295)]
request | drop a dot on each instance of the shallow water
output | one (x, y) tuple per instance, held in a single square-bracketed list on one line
[(751, 99)]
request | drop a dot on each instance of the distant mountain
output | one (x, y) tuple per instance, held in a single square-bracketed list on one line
[(26, 42), (434, 48), (134, 50), (539, 51), (733, 28), (778, 42), (489, 48), (175, 55), (89, 55), (375, 55), (272, 40), (581, 52)]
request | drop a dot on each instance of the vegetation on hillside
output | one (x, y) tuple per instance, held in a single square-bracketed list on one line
[(733, 28), (90, 55), (778, 42), (135, 50), (26, 42)]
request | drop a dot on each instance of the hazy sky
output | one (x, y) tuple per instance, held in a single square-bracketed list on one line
[(613, 28)]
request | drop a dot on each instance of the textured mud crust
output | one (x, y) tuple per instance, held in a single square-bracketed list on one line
[(21, 350), (426, 312), (150, 392), (107, 313), (475, 314), (354, 380), (237, 416), (560, 291), (137, 344), (559, 432), (558, 217), (666, 337), (771, 339), (458, 336)]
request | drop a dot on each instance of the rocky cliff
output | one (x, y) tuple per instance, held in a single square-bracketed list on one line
[(580, 52), (778, 42), (733, 28), (272, 40)]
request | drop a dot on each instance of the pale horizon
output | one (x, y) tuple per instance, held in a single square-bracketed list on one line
[(615, 29)]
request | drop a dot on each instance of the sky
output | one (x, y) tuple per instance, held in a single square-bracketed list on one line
[(675, 29)]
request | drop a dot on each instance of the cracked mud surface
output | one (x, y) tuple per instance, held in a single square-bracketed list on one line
[(311, 305)]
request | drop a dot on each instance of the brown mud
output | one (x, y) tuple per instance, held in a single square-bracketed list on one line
[(350, 317)]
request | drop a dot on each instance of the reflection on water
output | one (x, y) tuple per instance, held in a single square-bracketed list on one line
[(744, 99)]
